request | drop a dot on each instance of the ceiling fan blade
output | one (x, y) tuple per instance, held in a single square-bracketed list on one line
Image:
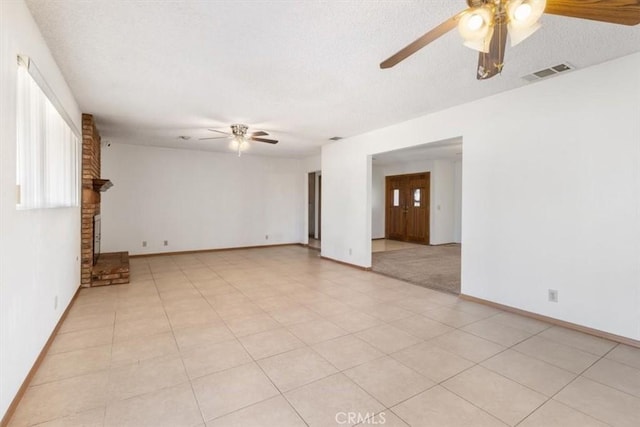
[(259, 133), (490, 64), (421, 42), (219, 131), (625, 12), (214, 137), (268, 141)]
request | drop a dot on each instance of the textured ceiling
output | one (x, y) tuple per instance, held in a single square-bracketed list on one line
[(303, 70)]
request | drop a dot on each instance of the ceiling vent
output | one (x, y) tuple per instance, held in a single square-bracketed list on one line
[(335, 138), (548, 72)]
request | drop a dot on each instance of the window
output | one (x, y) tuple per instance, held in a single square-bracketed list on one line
[(416, 197), (47, 145), (396, 197)]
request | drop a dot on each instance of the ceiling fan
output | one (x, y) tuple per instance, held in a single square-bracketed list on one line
[(485, 23), (240, 139)]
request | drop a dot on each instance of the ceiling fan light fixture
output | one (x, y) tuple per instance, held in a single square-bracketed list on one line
[(239, 144), (522, 12), (523, 18), (476, 28), (517, 34), (475, 22), (525, 12)]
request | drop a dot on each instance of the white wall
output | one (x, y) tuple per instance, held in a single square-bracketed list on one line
[(311, 164), (444, 217), (346, 204), (198, 200), (442, 202), (39, 249), (378, 196), (552, 200)]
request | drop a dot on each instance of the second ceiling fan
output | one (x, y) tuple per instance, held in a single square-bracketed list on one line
[(485, 23), (240, 139)]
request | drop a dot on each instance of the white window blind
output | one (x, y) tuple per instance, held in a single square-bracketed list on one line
[(47, 171)]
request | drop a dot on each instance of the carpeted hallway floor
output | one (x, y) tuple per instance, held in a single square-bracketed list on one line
[(436, 267)]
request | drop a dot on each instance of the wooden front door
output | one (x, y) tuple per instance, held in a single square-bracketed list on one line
[(407, 207)]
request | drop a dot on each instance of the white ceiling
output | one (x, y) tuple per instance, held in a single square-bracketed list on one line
[(303, 70)]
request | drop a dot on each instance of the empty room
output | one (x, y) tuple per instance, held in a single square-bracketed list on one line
[(319, 213)]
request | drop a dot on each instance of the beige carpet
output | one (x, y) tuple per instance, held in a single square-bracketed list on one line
[(436, 267)]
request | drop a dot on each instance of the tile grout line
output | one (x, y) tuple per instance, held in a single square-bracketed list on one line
[(186, 372), (321, 289), (567, 385), (255, 362), (475, 364)]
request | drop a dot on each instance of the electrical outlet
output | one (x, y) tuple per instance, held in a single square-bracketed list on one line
[(553, 295), (55, 303), (350, 251), (266, 237), (166, 243), (144, 243)]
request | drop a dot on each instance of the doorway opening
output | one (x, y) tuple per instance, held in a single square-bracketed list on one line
[(315, 209), (416, 205)]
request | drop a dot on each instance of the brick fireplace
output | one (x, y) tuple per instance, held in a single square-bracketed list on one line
[(97, 269)]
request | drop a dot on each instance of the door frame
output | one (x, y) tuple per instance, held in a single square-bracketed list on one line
[(319, 205), (405, 195), (311, 203)]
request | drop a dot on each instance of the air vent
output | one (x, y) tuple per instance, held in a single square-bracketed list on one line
[(335, 138), (548, 72), (544, 73)]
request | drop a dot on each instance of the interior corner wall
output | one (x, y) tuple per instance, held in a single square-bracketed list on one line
[(457, 202), (39, 248), (199, 200), (551, 201)]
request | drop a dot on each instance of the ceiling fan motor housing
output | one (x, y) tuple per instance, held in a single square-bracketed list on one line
[(478, 3), (239, 129)]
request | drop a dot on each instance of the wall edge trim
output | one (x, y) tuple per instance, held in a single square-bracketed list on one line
[(359, 267), (36, 365), (198, 251), (557, 322)]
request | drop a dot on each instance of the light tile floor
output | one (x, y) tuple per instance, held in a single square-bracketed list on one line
[(280, 337)]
